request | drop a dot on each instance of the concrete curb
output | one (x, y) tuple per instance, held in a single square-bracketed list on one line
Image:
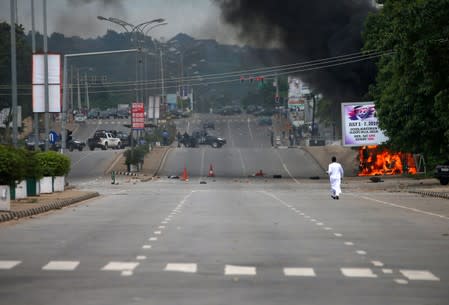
[(430, 194), (161, 162), (56, 205)]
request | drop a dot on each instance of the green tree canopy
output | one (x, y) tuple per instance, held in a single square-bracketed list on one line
[(412, 84)]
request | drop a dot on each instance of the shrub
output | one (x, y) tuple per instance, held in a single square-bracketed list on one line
[(53, 163), (12, 165), (137, 155)]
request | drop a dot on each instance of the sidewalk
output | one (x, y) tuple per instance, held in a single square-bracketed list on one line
[(45, 202)]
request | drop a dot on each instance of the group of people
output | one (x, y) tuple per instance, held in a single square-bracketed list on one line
[(186, 140)]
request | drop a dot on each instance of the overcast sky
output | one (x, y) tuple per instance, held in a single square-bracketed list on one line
[(198, 18)]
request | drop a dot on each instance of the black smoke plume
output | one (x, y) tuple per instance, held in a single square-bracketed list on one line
[(308, 30)]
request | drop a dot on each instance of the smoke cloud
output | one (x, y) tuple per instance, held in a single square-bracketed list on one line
[(307, 30)]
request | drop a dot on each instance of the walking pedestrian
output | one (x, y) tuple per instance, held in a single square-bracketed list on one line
[(335, 172)]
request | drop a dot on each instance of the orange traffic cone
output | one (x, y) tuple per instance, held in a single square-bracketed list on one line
[(211, 171), (185, 176)]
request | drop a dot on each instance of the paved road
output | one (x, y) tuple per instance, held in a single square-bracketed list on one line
[(230, 242)]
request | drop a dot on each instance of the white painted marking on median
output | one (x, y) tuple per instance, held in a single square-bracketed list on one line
[(377, 263), (61, 265), (6, 265), (141, 257), (239, 270), (419, 275), (146, 247), (361, 252), (187, 268), (152, 238), (120, 266), (358, 272), (308, 272), (401, 281), (401, 207), (387, 271), (348, 243)]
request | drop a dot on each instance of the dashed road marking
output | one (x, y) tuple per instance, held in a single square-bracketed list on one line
[(387, 271), (6, 265), (141, 257), (348, 243), (146, 247), (377, 263), (328, 228), (338, 234), (305, 272), (358, 272), (61, 265), (152, 238), (239, 270), (187, 268), (157, 232), (361, 252), (401, 281), (419, 275), (161, 227), (120, 266)]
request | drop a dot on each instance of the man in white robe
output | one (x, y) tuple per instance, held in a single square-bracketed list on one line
[(335, 172)]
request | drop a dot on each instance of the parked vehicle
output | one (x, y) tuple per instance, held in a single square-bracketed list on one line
[(104, 140), (31, 140), (73, 144), (442, 173)]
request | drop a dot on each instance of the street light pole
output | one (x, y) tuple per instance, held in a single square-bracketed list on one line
[(13, 74)]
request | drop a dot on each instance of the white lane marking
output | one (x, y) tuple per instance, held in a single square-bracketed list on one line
[(319, 224), (157, 232), (419, 275), (203, 152), (348, 243), (401, 281), (285, 167), (313, 220), (358, 272), (377, 263), (187, 268), (61, 265), (328, 228), (239, 270), (242, 162), (401, 206), (250, 132), (161, 227), (164, 222), (120, 266), (141, 257), (152, 238), (387, 271), (6, 265), (146, 247), (338, 234), (126, 273), (299, 272), (361, 252)]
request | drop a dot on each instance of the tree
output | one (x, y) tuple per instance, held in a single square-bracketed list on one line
[(411, 88)]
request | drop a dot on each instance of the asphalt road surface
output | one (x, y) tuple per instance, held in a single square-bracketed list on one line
[(230, 241)]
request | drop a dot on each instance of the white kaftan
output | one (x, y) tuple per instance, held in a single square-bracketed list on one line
[(335, 172)]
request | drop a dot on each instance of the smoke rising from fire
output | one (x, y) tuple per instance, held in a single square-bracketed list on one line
[(307, 30)]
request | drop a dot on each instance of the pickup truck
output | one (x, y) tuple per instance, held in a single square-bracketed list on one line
[(103, 140), (442, 173)]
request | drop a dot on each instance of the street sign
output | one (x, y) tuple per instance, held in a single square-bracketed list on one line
[(53, 137), (137, 116)]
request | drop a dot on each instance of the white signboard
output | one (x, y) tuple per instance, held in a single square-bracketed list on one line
[(4, 113), (360, 125), (54, 83), (154, 103)]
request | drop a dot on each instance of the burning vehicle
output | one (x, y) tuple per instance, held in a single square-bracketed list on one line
[(378, 161)]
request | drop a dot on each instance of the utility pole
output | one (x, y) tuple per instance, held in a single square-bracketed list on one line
[(78, 88), (47, 105), (87, 91), (33, 46), (162, 78), (13, 73)]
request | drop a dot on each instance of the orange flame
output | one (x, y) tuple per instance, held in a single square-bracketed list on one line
[(376, 161)]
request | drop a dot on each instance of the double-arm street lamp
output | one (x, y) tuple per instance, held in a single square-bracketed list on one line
[(134, 30)]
